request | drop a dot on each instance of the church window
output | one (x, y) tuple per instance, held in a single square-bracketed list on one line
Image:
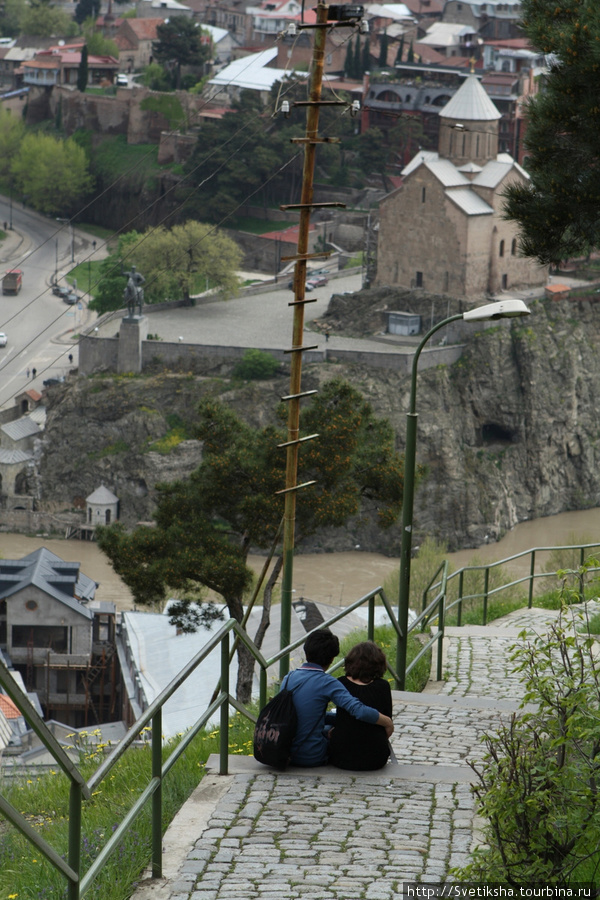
[(477, 147), (504, 282), (501, 248), (513, 247), (419, 279), (423, 194)]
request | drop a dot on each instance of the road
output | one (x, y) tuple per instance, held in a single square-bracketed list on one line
[(39, 246)]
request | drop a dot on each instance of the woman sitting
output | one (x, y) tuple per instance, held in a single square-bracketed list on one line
[(359, 745)]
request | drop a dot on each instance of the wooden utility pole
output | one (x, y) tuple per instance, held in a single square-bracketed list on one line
[(305, 207)]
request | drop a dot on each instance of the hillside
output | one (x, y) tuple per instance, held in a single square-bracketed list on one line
[(508, 433)]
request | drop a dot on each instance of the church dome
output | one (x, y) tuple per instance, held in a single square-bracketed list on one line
[(470, 104)]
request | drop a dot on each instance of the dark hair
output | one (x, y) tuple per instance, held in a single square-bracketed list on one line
[(321, 647), (365, 662)]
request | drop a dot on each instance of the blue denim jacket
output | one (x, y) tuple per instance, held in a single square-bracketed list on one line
[(313, 689)]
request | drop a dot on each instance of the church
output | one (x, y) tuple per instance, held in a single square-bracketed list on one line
[(443, 230)]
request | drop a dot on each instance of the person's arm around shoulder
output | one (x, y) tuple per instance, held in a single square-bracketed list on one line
[(342, 697)]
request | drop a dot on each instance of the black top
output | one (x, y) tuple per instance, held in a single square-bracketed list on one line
[(359, 745)]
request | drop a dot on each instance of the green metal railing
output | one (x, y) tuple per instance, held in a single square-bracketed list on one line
[(435, 610), (456, 580), (81, 789)]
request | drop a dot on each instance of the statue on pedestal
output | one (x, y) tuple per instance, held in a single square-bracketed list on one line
[(133, 293)]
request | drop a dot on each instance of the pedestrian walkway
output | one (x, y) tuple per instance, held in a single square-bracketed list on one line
[(332, 835)]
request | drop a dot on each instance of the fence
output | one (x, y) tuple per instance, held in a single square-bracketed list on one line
[(435, 609)]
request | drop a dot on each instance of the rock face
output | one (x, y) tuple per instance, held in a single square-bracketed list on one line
[(508, 433)]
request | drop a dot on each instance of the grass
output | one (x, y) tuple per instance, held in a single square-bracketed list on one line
[(87, 275), (257, 226), (177, 433)]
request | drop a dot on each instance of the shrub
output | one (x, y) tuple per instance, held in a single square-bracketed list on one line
[(255, 365), (537, 782)]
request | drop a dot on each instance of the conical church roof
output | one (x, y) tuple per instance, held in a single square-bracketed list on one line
[(470, 104)]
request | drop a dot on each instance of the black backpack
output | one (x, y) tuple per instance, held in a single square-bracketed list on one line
[(275, 731)]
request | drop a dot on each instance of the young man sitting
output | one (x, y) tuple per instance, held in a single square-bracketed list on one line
[(312, 690)]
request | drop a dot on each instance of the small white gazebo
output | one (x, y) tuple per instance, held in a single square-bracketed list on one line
[(102, 507)]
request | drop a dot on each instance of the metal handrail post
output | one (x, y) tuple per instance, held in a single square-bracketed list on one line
[(262, 691), (157, 795), (224, 719), (486, 584), (441, 626), (75, 796), (371, 620), (460, 596), (531, 578)]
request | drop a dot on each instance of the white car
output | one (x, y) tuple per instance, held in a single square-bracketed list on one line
[(3, 339), (122, 80)]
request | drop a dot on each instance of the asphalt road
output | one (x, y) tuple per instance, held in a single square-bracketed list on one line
[(39, 246)]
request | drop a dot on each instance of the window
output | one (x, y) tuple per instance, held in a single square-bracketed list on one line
[(504, 282), (423, 194), (513, 247), (501, 251), (51, 637), (419, 279)]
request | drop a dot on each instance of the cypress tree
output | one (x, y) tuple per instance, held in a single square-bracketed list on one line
[(82, 71), (400, 52), (349, 61), (383, 50), (410, 56), (357, 60), (366, 57)]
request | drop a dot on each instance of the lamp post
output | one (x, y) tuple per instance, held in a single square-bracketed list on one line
[(503, 309)]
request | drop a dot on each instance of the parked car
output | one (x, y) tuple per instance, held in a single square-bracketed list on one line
[(310, 284), (317, 280), (49, 382), (60, 290), (3, 339), (71, 298), (122, 80)]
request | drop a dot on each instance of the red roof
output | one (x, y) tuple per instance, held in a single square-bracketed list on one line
[(8, 708), (288, 235), (145, 29)]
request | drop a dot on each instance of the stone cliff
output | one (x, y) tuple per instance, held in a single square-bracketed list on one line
[(508, 433)]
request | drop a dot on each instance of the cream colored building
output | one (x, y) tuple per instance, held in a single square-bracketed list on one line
[(443, 229)]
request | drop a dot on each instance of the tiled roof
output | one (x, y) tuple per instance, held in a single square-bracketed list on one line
[(9, 708), (145, 29)]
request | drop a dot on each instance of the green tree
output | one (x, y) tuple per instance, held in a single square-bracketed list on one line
[(366, 57), (559, 209), (82, 71), (410, 56), (349, 61), (155, 78), (42, 19), (357, 60), (97, 44), (12, 17), (175, 263), (206, 526), (400, 51), (52, 173), (12, 130), (182, 42), (383, 50), (373, 153), (87, 9)]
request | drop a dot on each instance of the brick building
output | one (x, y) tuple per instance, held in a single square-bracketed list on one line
[(443, 229)]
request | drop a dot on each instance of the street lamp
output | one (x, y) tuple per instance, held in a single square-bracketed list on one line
[(503, 309)]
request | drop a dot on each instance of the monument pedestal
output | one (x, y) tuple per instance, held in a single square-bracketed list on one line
[(133, 331)]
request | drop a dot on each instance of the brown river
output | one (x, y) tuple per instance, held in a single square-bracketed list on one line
[(333, 578)]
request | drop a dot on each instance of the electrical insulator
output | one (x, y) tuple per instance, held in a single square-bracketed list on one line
[(363, 26), (355, 108), (285, 108), (292, 30)]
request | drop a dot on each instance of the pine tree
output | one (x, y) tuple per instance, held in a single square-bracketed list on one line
[(559, 209)]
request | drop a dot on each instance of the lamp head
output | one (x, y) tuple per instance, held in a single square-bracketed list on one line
[(503, 309)]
